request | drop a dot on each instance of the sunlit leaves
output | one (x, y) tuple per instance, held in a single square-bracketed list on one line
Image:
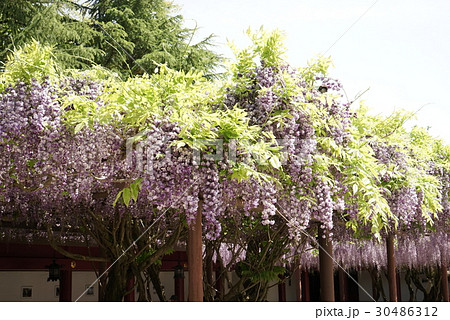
[(32, 61), (129, 193), (267, 129), (315, 67), (269, 46)]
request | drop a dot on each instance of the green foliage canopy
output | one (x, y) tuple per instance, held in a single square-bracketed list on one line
[(129, 37)]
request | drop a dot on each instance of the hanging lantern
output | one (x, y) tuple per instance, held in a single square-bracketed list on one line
[(178, 272), (53, 271)]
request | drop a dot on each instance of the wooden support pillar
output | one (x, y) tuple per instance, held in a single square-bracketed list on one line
[(374, 274), (399, 285), (130, 297), (306, 296), (102, 266), (444, 276), (65, 286), (343, 285), (179, 287), (298, 283), (392, 279), (326, 267), (282, 291), (208, 274), (195, 258)]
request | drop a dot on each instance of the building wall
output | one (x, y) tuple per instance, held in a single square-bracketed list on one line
[(82, 280), (16, 286)]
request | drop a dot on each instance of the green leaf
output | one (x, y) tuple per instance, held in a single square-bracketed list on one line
[(355, 188), (135, 187), (275, 162), (79, 127), (279, 270), (31, 163), (180, 144), (134, 191), (126, 195), (117, 198)]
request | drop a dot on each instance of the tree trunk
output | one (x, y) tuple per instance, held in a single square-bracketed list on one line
[(153, 273), (220, 284), (130, 296), (116, 285)]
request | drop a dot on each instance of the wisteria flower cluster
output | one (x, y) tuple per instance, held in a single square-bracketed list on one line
[(274, 150)]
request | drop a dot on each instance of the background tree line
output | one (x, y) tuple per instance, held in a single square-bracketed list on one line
[(128, 36)]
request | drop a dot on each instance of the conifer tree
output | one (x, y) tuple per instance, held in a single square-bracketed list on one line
[(152, 33), (129, 37)]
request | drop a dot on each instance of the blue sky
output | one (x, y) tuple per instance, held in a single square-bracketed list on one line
[(398, 49)]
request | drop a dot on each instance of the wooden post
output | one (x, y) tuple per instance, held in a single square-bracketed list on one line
[(102, 266), (444, 280), (343, 285), (306, 294), (298, 282), (195, 258), (65, 285), (326, 267), (374, 290), (398, 278), (391, 268), (179, 287), (282, 291)]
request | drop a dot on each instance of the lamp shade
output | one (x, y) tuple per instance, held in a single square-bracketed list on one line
[(53, 271), (178, 271)]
